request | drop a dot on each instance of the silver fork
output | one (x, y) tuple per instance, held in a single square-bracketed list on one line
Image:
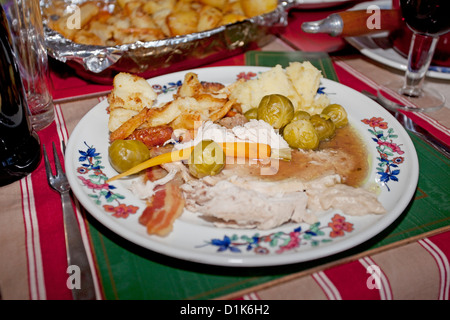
[(76, 254)]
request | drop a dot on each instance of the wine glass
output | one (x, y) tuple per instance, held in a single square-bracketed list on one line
[(428, 19)]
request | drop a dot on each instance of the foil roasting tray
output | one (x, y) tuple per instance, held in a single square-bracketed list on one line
[(148, 59)]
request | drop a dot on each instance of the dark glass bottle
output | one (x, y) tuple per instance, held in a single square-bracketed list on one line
[(20, 149)]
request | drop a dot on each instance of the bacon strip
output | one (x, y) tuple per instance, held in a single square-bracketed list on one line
[(164, 208), (155, 173)]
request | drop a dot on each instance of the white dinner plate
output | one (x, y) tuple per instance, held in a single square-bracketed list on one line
[(379, 48), (394, 169)]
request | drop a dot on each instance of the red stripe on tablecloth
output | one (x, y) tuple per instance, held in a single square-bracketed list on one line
[(382, 280), (439, 247), (358, 81), (32, 245), (50, 224), (61, 128), (350, 280)]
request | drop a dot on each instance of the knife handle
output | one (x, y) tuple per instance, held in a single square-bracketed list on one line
[(355, 23), (360, 22)]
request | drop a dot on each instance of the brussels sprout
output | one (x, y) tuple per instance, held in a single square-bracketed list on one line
[(125, 154), (251, 114), (324, 126), (301, 115), (207, 159), (337, 114), (301, 134), (276, 109)]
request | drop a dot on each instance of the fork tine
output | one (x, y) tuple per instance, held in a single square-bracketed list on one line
[(48, 168), (58, 165)]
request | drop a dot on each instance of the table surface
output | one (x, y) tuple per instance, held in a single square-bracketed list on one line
[(416, 246)]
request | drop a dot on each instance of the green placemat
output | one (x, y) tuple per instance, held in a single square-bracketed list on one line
[(127, 271), (320, 60)]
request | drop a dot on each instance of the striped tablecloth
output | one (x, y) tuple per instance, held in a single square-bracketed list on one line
[(416, 269)]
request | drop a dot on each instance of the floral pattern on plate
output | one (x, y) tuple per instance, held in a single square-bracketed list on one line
[(390, 153), (280, 242), (91, 175), (166, 88)]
